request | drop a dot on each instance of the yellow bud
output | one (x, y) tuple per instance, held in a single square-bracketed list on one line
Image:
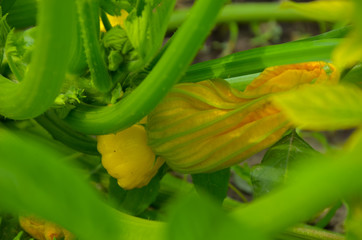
[(208, 126), (43, 230), (127, 157)]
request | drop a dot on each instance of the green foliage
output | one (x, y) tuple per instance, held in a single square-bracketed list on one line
[(278, 163), (146, 26), (215, 184)]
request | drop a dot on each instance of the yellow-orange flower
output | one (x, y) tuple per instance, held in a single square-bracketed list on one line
[(208, 126)]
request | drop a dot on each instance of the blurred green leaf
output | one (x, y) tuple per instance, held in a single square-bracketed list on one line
[(278, 162), (137, 200), (215, 184), (58, 192), (318, 107), (354, 76), (146, 26), (195, 218)]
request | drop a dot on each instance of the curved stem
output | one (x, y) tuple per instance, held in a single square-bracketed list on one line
[(67, 136), (46, 73), (186, 43), (89, 25)]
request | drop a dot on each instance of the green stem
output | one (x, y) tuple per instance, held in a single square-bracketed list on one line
[(89, 25), (322, 182), (245, 12), (67, 136), (46, 72), (327, 218), (243, 198), (308, 232), (186, 43), (107, 25), (256, 60)]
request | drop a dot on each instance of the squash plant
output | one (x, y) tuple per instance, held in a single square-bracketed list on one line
[(100, 116)]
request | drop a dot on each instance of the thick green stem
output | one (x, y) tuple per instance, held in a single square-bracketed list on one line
[(310, 233), (255, 60), (245, 12), (46, 72), (67, 136), (186, 43), (89, 25)]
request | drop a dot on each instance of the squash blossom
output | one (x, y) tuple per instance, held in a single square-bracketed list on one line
[(208, 126), (43, 230), (127, 157)]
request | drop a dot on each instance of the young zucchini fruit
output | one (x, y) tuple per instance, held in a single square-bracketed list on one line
[(127, 157)]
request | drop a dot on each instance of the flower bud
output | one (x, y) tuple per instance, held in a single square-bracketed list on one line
[(208, 126)]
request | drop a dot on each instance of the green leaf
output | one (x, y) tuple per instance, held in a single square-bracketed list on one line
[(215, 184), (137, 200), (195, 218), (278, 163), (146, 26), (354, 76), (318, 107)]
